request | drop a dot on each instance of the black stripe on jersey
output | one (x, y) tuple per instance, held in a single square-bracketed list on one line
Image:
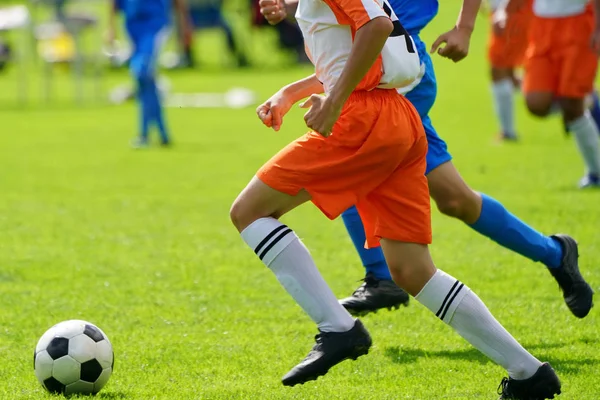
[(274, 242), (447, 297), (268, 237), (451, 300)]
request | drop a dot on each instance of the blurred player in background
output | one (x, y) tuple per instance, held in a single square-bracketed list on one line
[(147, 23), (367, 147), (561, 65), (452, 195), (506, 52)]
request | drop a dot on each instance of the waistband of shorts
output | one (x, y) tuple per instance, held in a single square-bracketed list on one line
[(359, 95)]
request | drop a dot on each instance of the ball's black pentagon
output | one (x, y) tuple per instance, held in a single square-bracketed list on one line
[(93, 333), (91, 370), (58, 347), (54, 386)]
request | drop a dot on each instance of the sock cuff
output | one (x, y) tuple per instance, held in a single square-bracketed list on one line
[(268, 237), (442, 295), (503, 86), (585, 119)]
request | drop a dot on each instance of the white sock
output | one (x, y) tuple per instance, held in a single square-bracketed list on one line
[(283, 252), (586, 135), (454, 303), (504, 93)]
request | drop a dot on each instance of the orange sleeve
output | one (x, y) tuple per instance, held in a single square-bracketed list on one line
[(356, 12)]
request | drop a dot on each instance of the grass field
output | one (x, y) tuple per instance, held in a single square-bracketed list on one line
[(139, 242)]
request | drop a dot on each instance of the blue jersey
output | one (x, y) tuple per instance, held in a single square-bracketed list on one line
[(414, 15), (157, 11)]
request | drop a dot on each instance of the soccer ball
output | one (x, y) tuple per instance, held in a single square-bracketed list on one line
[(73, 357)]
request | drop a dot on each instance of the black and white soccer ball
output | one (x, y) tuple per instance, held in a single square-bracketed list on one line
[(73, 357)]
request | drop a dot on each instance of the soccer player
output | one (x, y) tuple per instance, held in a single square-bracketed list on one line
[(506, 53), (147, 22), (453, 197), (561, 64), (367, 147)]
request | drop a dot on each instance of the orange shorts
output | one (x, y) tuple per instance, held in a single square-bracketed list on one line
[(374, 159), (560, 59), (508, 50)]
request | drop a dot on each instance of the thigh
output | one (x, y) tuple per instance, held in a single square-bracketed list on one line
[(258, 200), (399, 208), (147, 45)]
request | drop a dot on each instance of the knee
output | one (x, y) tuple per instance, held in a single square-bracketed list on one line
[(572, 109), (240, 215), (463, 206), (411, 276), (538, 109)]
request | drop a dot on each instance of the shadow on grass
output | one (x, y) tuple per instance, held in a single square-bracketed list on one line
[(110, 395), (403, 355)]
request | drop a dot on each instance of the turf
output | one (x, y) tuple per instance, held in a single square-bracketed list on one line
[(139, 242)]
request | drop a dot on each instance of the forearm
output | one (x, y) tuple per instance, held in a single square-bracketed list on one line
[(181, 12), (468, 14), (112, 16), (291, 6), (368, 43), (303, 88)]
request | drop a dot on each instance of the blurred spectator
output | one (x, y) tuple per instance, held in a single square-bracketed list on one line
[(290, 36), (206, 14)]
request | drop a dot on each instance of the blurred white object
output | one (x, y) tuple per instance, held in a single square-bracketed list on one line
[(15, 17), (233, 98)]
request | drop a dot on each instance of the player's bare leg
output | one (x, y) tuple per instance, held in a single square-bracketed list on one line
[(455, 304), (255, 214), (455, 198), (503, 91)]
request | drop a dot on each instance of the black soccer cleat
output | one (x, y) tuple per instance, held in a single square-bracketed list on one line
[(543, 385), (576, 291), (374, 294), (331, 348)]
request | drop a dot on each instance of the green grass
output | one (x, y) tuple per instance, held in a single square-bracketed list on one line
[(140, 243)]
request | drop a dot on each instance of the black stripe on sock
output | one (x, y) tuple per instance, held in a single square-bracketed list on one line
[(268, 237), (274, 242), (437, 314), (451, 300)]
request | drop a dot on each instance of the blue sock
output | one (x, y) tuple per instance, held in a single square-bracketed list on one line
[(145, 104), (372, 259), (157, 110), (595, 109), (507, 230)]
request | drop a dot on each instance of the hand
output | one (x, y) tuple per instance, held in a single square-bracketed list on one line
[(595, 41), (272, 111), (322, 114), (457, 43), (273, 10)]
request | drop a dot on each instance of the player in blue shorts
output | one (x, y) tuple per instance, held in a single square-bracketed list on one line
[(147, 23), (451, 194)]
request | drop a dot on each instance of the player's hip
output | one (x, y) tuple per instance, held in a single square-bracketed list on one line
[(423, 95)]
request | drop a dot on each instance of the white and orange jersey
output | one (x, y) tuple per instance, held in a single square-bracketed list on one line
[(559, 8), (328, 27)]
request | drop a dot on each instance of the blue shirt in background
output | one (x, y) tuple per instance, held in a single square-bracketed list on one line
[(414, 15), (157, 11)]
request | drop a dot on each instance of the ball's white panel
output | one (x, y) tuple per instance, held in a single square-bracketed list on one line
[(79, 387), (43, 366), (82, 348), (102, 379), (66, 370), (44, 340), (104, 353), (69, 329)]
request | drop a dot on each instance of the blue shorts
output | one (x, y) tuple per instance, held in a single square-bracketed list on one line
[(147, 40), (423, 97)]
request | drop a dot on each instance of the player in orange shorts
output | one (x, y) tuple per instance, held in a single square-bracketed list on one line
[(560, 66), (367, 148), (506, 53)]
